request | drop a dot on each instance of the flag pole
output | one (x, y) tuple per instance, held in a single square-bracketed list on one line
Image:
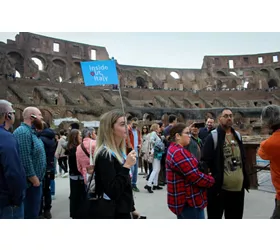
[(123, 110)]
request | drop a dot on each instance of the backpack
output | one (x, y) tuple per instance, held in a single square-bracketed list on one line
[(214, 134), (159, 146)]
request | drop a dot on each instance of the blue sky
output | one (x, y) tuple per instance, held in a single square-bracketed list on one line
[(172, 50)]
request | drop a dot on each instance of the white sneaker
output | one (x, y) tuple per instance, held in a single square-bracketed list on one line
[(64, 175)]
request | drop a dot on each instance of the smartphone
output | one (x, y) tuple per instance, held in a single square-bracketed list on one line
[(199, 125)]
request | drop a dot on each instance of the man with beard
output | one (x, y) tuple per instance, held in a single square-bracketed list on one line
[(12, 175), (224, 155), (204, 132), (135, 139), (33, 158), (47, 135)]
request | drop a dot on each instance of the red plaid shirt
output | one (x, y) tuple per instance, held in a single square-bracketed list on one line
[(185, 183)]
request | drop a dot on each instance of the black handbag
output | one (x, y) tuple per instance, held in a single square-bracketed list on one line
[(87, 206)]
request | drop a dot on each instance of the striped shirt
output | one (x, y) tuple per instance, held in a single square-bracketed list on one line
[(31, 151)]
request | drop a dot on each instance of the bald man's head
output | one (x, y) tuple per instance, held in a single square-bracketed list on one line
[(33, 116), (29, 111)]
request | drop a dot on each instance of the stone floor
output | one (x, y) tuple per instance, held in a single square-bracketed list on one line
[(258, 204)]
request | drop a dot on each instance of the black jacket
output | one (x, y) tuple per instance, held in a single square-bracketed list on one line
[(48, 138), (214, 159), (203, 134), (114, 180)]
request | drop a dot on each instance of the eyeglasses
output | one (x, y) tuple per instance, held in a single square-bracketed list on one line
[(228, 116), (187, 133), (12, 112)]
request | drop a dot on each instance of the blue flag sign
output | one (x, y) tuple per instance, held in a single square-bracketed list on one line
[(99, 72)]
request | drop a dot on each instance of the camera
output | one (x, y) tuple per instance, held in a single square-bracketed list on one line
[(234, 162)]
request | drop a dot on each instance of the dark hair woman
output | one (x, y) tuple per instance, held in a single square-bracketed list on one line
[(77, 186), (186, 185)]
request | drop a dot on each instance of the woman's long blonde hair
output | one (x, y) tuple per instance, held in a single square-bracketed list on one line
[(106, 138)]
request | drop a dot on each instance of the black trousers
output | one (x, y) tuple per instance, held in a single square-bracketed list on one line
[(231, 204), (62, 162), (162, 173), (150, 170), (77, 195), (46, 200)]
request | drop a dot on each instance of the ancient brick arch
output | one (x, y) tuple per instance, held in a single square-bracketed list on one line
[(273, 83), (47, 115), (18, 61), (239, 118), (265, 73), (42, 58), (181, 117), (149, 117), (221, 73), (210, 115), (141, 82), (68, 113), (18, 117)]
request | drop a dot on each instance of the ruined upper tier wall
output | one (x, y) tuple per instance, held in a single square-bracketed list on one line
[(242, 61)]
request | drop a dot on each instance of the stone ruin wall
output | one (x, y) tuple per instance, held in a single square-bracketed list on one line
[(149, 93)]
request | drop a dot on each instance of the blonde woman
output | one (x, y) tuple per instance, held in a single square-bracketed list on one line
[(154, 142), (113, 183)]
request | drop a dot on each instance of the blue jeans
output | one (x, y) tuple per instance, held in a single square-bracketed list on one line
[(134, 171), (32, 202), (52, 187), (12, 212), (191, 213)]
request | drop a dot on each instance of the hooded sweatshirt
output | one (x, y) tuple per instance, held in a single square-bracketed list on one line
[(48, 138)]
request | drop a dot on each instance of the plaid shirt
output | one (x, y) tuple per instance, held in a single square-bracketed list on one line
[(31, 151), (185, 183)]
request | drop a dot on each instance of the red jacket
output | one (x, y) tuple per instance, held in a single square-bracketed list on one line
[(130, 139)]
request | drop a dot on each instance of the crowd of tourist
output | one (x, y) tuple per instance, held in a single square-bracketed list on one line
[(202, 166)]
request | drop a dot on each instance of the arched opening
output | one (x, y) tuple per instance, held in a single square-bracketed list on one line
[(233, 73), (77, 67), (175, 75), (148, 117), (265, 73), (239, 119), (18, 118), (39, 62), (17, 74), (59, 63), (221, 73), (272, 83), (210, 115), (181, 118), (219, 85), (18, 61), (147, 73), (233, 84), (47, 116), (140, 82), (277, 70), (245, 84)]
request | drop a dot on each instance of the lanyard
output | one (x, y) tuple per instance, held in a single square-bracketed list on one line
[(113, 153), (231, 145)]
